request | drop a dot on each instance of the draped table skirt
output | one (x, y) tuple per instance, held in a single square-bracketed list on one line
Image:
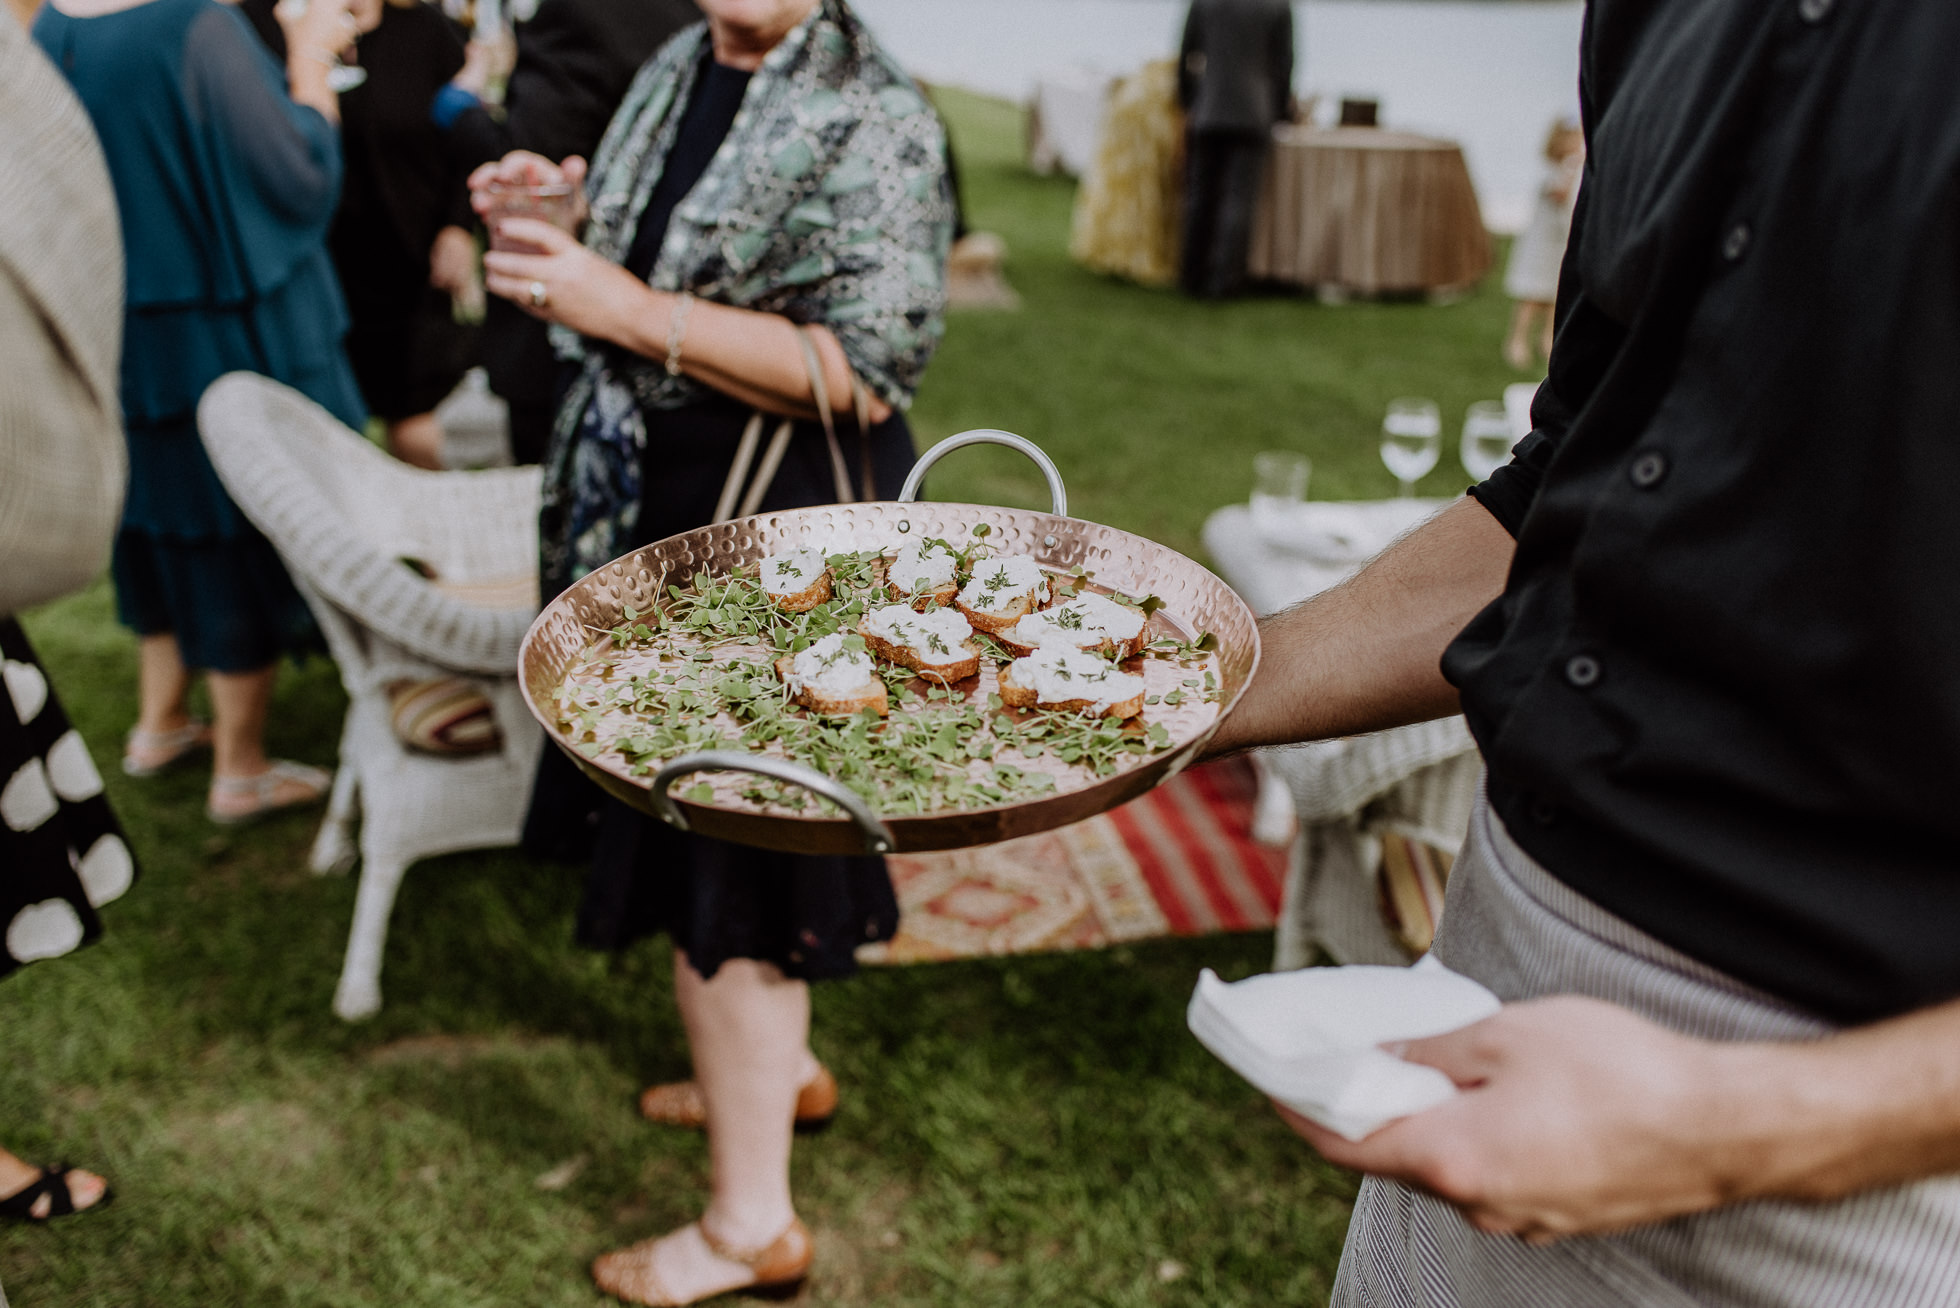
[(1368, 211)]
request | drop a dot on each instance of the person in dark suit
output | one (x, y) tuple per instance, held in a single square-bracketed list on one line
[(1235, 80), (575, 59)]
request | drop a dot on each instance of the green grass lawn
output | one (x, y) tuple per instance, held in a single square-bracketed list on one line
[(1030, 1131)]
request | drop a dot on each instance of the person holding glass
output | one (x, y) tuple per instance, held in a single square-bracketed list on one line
[(765, 231), (226, 169)]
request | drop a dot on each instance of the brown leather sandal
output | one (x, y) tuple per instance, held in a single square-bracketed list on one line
[(679, 1103), (780, 1268)]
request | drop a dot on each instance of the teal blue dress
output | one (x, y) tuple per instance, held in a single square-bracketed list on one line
[(226, 189)]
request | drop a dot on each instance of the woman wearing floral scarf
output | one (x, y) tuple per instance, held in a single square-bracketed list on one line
[(770, 202)]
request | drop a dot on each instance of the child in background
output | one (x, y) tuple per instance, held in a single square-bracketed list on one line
[(1532, 278)]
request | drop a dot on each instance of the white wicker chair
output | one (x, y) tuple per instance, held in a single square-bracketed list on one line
[(344, 516)]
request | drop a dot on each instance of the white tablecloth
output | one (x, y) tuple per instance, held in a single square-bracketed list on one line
[(1065, 121)]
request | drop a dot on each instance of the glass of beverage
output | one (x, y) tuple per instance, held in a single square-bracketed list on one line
[(342, 76), (1412, 441), (551, 201), (1487, 439), (1279, 487)]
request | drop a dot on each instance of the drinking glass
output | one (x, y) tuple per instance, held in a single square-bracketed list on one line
[(551, 201), (1412, 441), (1279, 487), (1487, 439), (342, 77)]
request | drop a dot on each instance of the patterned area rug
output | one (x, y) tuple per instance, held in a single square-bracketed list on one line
[(1180, 861)]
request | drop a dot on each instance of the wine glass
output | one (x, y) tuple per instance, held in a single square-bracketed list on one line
[(1279, 487), (1487, 439), (1412, 441)]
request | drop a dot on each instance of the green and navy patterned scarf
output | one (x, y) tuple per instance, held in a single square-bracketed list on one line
[(827, 203)]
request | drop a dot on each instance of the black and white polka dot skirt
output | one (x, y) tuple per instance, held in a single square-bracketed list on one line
[(62, 855)]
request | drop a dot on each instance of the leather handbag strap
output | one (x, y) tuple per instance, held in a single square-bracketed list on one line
[(738, 471), (772, 459), (820, 392), (861, 405), (727, 506)]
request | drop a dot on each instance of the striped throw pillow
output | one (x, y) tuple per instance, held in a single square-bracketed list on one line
[(448, 715)]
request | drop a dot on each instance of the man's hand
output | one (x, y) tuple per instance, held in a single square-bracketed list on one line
[(584, 291), (1576, 1116)]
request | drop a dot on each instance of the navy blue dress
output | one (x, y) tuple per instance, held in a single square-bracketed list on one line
[(225, 189)]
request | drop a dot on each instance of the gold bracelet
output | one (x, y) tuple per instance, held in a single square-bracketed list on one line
[(677, 331)]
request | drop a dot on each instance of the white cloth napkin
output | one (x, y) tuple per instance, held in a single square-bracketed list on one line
[(1310, 1038), (1342, 533)]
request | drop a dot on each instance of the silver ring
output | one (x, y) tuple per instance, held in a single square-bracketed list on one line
[(540, 295)]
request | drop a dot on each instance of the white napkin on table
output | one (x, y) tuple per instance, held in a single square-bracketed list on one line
[(1310, 1038)]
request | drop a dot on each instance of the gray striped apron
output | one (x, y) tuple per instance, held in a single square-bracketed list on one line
[(1520, 931)]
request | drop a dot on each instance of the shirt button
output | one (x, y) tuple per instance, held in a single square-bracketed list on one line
[(1814, 11), (1648, 470), (1543, 812), (1736, 243), (1582, 670)]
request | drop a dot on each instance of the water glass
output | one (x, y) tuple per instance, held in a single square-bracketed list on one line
[(1487, 439), (1279, 487), (1412, 441)]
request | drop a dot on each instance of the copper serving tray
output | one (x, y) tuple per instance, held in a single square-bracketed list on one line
[(1195, 602)]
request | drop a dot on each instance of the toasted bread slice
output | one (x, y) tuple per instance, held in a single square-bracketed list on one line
[(905, 656), (795, 581), (1002, 591), (922, 570), (1015, 695), (806, 599), (872, 696), (1090, 622), (1101, 645), (942, 596)]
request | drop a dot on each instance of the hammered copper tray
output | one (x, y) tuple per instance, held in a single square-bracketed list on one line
[(1195, 602)]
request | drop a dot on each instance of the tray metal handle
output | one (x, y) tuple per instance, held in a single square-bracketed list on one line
[(877, 836), (1057, 493)]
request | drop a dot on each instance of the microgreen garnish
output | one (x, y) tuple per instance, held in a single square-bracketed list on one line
[(694, 673)]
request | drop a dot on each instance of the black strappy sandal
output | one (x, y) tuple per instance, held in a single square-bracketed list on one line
[(53, 1183)]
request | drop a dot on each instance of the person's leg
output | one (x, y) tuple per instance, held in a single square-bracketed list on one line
[(163, 685), (417, 441), (1201, 200), (85, 1189), (1517, 343), (1546, 331), (1243, 162), (239, 701), (749, 1031), (244, 782)]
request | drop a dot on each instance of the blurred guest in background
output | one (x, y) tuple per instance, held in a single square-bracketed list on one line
[(401, 239), (826, 303), (1235, 82), (226, 172), (62, 469), (1531, 279), (575, 59)]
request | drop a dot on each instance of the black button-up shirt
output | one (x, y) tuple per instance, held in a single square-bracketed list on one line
[(1720, 695)]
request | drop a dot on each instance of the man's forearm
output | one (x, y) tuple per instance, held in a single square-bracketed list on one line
[(1366, 655), (1870, 1107)]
